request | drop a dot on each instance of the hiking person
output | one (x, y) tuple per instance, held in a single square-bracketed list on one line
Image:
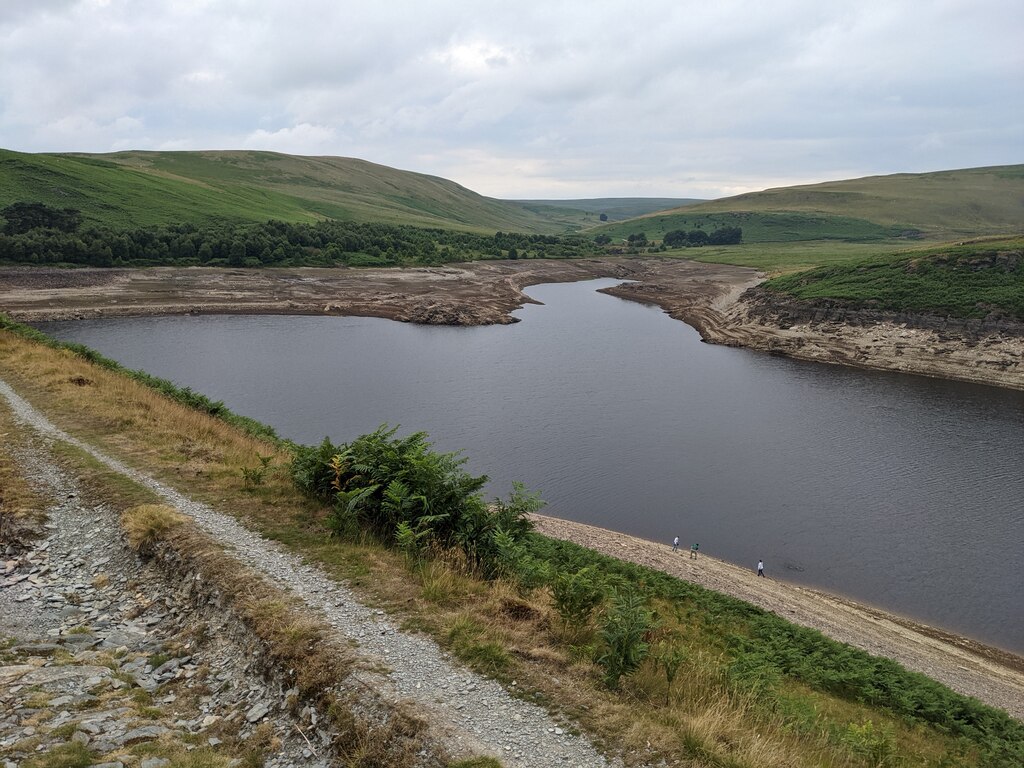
[(760, 568), (675, 544)]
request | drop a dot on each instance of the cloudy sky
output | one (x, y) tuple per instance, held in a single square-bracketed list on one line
[(530, 98)]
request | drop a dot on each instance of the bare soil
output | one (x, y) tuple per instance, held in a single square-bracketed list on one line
[(993, 358), (989, 674), (478, 293)]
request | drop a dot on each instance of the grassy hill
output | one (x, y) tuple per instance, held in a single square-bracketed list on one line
[(936, 206), (615, 208), (972, 280), (789, 228), (129, 189)]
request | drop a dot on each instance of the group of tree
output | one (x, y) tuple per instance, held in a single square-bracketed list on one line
[(696, 238), (33, 233), (23, 217), (677, 238)]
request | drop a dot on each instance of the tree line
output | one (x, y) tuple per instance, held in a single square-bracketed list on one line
[(678, 238), (33, 233), (696, 238)]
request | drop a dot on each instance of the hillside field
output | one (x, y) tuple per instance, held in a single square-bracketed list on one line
[(968, 281), (946, 205), (131, 189)]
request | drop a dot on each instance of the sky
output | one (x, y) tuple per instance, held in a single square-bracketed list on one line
[(530, 99)]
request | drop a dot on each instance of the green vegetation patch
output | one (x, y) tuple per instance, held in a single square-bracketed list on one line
[(761, 227), (765, 649), (35, 233), (968, 281), (425, 504), (136, 189)]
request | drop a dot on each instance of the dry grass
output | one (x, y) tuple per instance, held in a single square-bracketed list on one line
[(125, 417), (147, 524), (22, 508)]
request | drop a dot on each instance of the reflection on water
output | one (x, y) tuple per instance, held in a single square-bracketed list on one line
[(897, 490)]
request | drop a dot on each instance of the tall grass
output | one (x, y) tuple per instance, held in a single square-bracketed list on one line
[(183, 395)]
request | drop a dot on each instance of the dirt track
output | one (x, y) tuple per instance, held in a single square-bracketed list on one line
[(989, 674)]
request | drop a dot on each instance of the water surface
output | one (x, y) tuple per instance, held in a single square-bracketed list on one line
[(900, 491)]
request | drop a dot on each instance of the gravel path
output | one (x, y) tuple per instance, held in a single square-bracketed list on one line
[(470, 713)]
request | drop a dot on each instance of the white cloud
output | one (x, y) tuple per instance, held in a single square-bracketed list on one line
[(302, 139), (475, 58), (535, 98)]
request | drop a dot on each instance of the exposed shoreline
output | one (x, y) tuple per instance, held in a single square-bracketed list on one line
[(712, 298), (990, 674)]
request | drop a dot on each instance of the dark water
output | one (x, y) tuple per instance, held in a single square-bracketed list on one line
[(899, 491)]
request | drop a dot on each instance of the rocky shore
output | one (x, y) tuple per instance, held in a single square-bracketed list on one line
[(984, 351)]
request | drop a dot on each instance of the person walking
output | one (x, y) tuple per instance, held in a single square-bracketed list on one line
[(760, 568), (675, 544), (693, 551)]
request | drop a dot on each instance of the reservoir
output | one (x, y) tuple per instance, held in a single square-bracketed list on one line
[(898, 491)]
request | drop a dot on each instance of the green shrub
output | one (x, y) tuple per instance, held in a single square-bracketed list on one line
[(311, 469), (623, 631), (669, 656), (876, 745), (577, 594), (403, 491), (969, 281)]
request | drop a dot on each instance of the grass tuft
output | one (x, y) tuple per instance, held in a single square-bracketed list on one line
[(147, 524)]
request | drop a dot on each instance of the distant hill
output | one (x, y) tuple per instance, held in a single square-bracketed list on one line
[(615, 208), (129, 189), (942, 205), (132, 189)]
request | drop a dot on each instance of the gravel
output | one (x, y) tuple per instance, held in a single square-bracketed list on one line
[(88, 616)]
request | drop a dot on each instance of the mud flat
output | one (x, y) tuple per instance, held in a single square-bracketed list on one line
[(478, 293), (989, 674)]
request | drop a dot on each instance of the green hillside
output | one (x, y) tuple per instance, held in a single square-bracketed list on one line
[(943, 205), (615, 208), (758, 227), (972, 280), (130, 189)]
